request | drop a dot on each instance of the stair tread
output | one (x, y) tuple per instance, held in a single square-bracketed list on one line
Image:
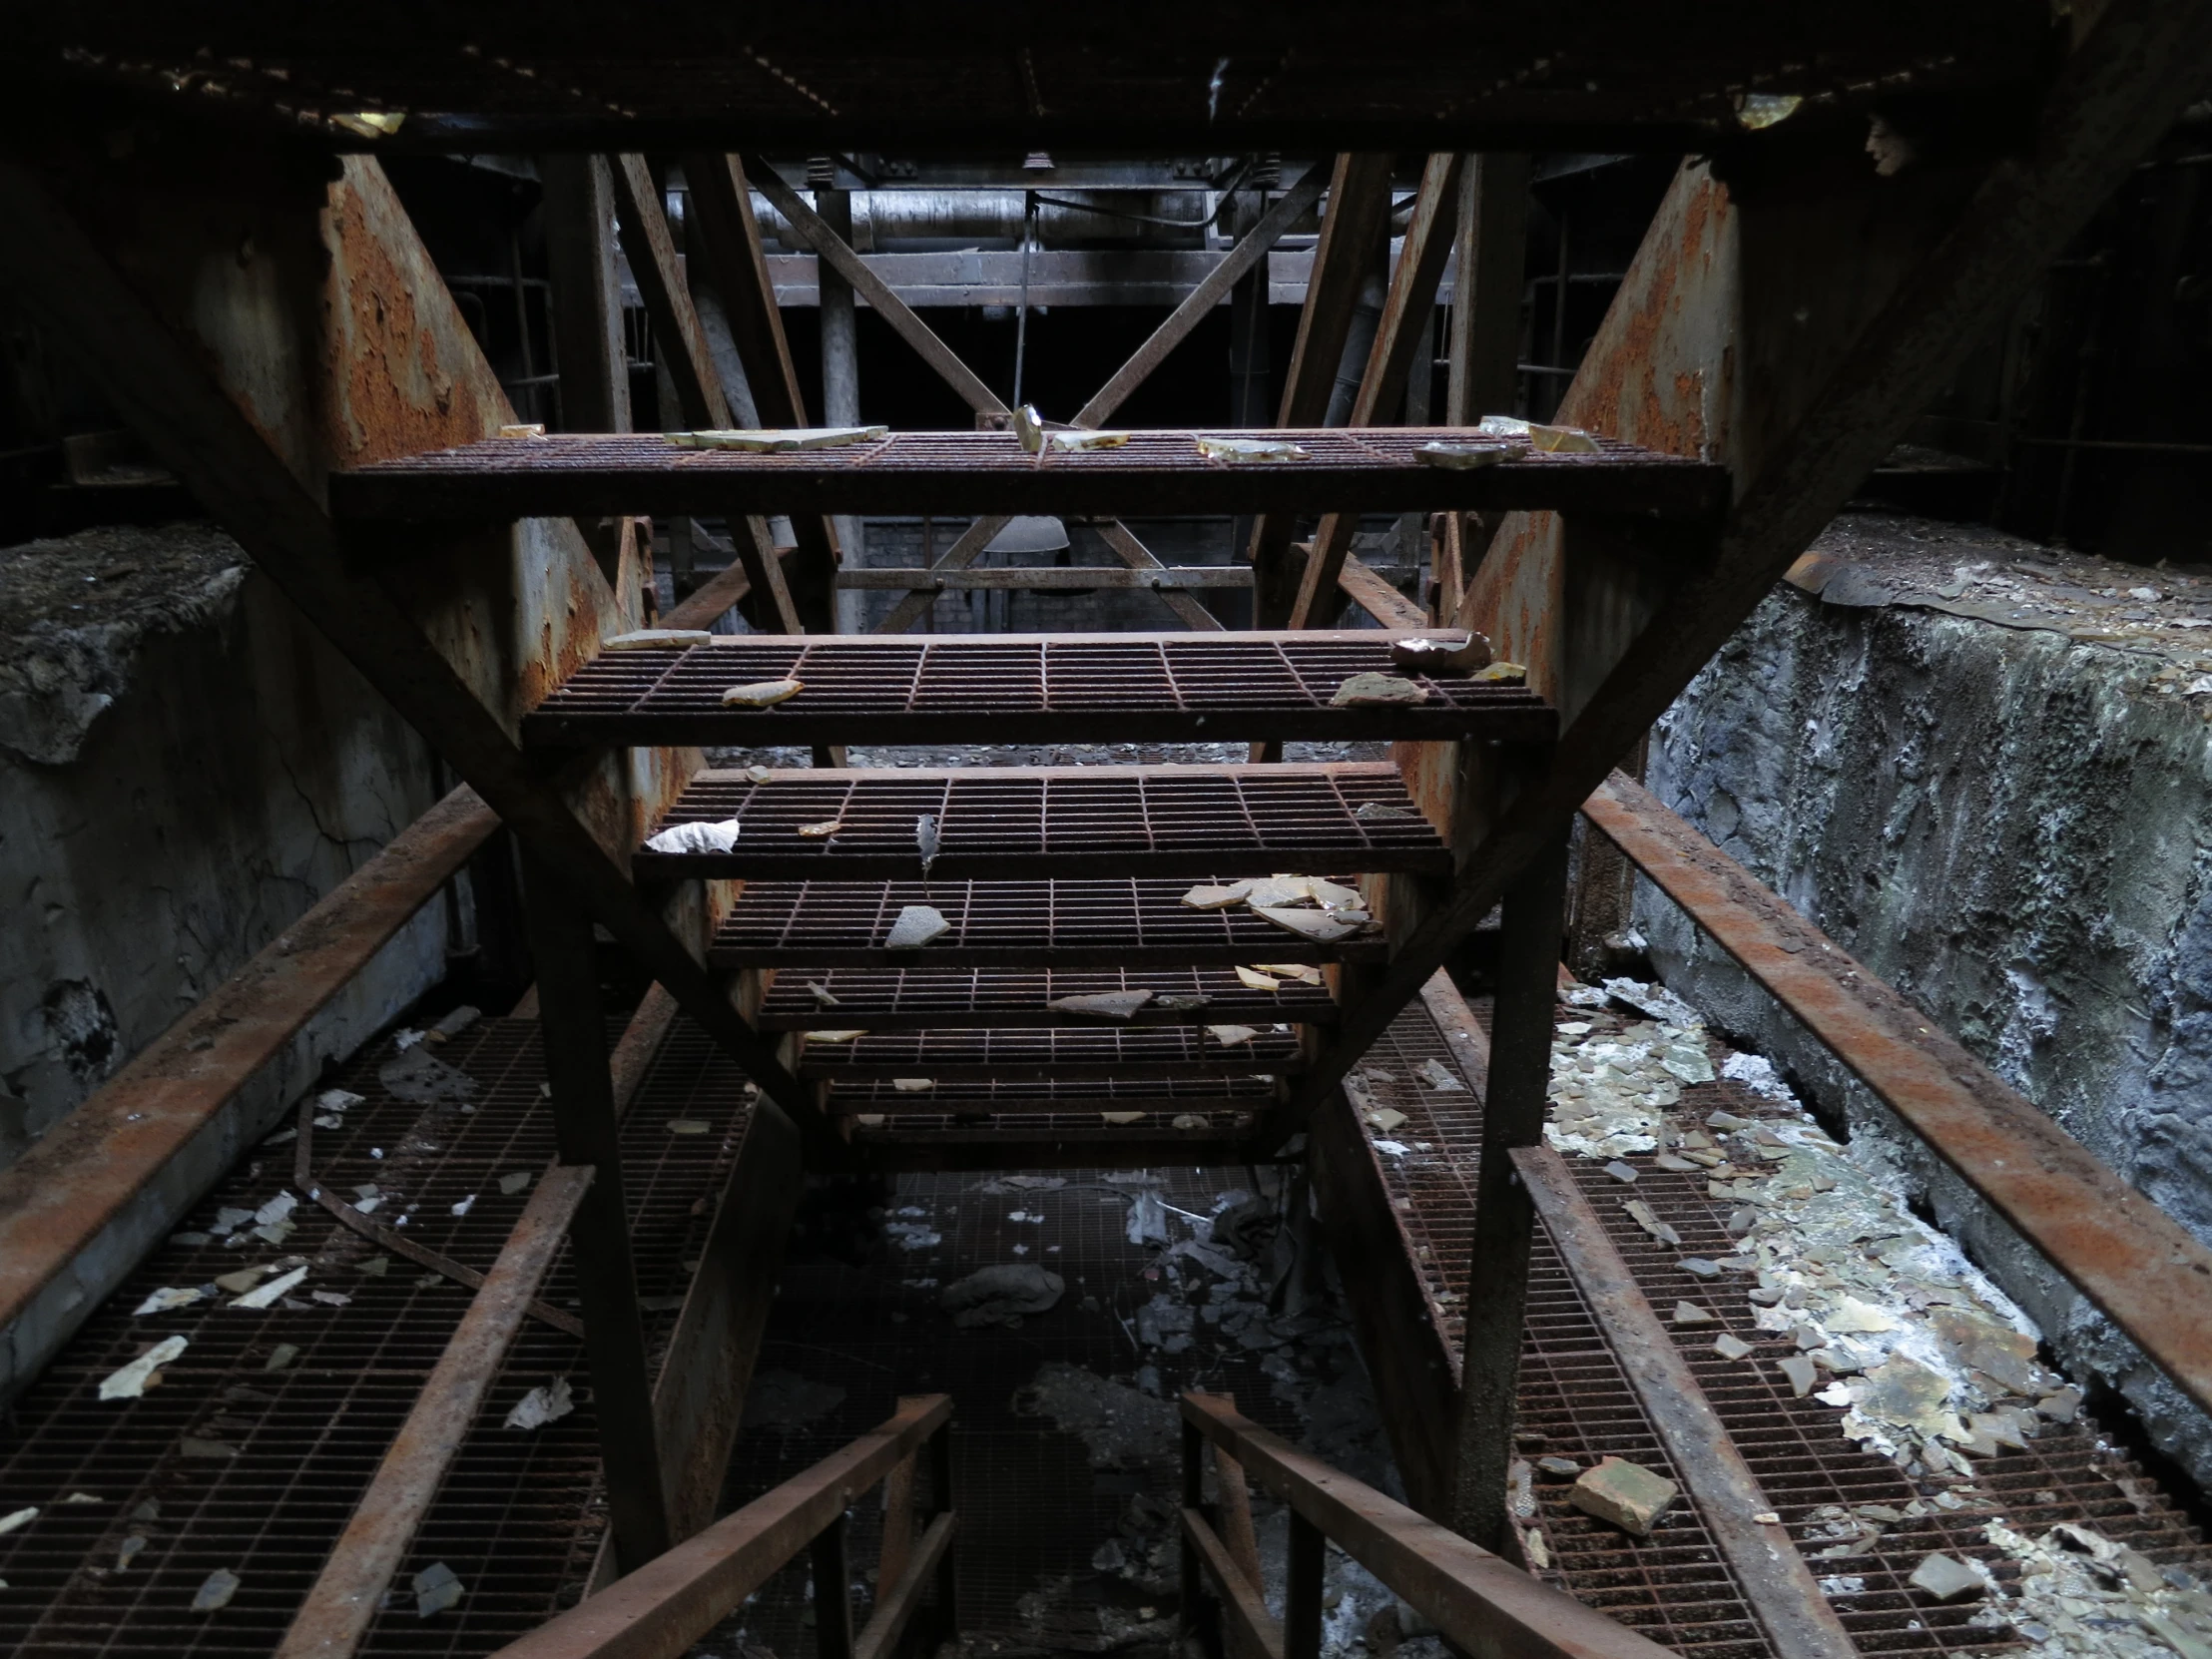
[(1062, 1095), (1103, 924), (923, 999), (1007, 1053), (1127, 688), (1378, 469), (1008, 821)]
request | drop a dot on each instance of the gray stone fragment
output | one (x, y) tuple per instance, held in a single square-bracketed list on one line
[(1946, 1578)]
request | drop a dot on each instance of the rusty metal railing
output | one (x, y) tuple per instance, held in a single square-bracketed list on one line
[(672, 1601), (1479, 1602), (2134, 1262)]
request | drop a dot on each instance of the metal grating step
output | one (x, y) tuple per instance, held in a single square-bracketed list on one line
[(917, 999), (1079, 1098), (1056, 1052), (1002, 821), (517, 1515), (1079, 687), (1058, 924), (1374, 470)]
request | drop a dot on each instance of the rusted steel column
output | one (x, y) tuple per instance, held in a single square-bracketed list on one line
[(1774, 1577), (571, 1024), (1487, 290), (2146, 1272), (725, 238), (589, 351), (1401, 334), (1350, 233), (1504, 1219)]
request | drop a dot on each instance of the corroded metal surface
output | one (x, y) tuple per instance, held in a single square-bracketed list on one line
[(1378, 469)]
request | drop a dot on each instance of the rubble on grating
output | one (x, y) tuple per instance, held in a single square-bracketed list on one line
[(1610, 1092), (1928, 1363), (2082, 1595)]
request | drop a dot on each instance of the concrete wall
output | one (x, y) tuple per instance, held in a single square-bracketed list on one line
[(184, 768), (2010, 825)]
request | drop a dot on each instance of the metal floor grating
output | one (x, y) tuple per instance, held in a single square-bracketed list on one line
[(1054, 1051), (912, 999), (1059, 924), (1121, 688), (999, 822), (1374, 470), (518, 1515), (1573, 1393)]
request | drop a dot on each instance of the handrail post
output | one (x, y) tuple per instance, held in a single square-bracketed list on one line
[(1193, 1491), (949, 1575), (832, 1592), (1302, 1601), (899, 1524)]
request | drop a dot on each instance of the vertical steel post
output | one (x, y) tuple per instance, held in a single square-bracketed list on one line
[(1504, 1217), (573, 1030), (1488, 288), (1302, 1597), (841, 374), (1188, 1574), (589, 349), (948, 1574), (833, 1593)]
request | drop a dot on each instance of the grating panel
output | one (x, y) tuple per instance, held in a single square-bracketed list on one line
[(1575, 1394), (1056, 925), (1060, 1097), (909, 999), (1037, 1052), (1374, 470), (518, 1514), (994, 823), (995, 688)]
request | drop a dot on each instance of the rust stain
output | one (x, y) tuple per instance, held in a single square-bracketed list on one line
[(1623, 388)]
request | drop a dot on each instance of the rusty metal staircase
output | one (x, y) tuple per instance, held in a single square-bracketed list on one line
[(1023, 1033), (280, 335)]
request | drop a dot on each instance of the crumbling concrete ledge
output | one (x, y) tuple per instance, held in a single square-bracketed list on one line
[(1983, 766)]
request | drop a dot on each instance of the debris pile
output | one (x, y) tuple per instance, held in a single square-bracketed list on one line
[(1310, 906), (1930, 1363), (2082, 1595)]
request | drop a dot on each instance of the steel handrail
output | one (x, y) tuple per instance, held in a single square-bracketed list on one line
[(672, 1601), (1477, 1601)]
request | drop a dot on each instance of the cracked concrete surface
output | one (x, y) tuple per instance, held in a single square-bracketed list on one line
[(184, 768)]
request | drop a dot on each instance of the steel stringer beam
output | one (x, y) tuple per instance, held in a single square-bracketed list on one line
[(191, 370), (725, 238), (1713, 347), (1352, 233), (1402, 332), (699, 391), (833, 250)]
